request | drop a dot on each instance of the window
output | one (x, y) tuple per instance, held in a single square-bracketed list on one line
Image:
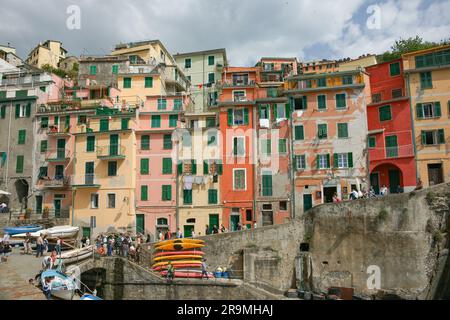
[(240, 79), (238, 117), (372, 142), (239, 179), (280, 111), (385, 113), (94, 201), (43, 172), (104, 125), (82, 119), (112, 168), (173, 119), (133, 59), (300, 162), (433, 137), (124, 123), (239, 146), (394, 69), (187, 63), (301, 103), (44, 145), (426, 80), (90, 143), (322, 82), (177, 104), (433, 59), (93, 70), (126, 83), (266, 147), (397, 93), (149, 82), (341, 102), (342, 130), (322, 102), (346, 80), (145, 142), (212, 98), (212, 196), (266, 184), (283, 205), (167, 142), (187, 196), (299, 133), (282, 146), (343, 160), (210, 77), (428, 110), (322, 131), (115, 69), (376, 97), (212, 138), (144, 166), (111, 200), (23, 111), (156, 121), (210, 60), (264, 112), (22, 136), (391, 146), (162, 104), (144, 193), (167, 166), (239, 96), (272, 92), (323, 161), (19, 164), (167, 193), (210, 122)]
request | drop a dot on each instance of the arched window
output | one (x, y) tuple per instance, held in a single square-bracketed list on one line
[(161, 222), (192, 220)]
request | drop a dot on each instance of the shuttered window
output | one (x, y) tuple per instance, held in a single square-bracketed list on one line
[(322, 131), (385, 113), (104, 125), (124, 123), (22, 136), (144, 193), (19, 164), (212, 196), (266, 147), (44, 122), (149, 82), (187, 196), (112, 168), (267, 185), (115, 69), (210, 60), (162, 104), (372, 142), (167, 143), (173, 119), (342, 130), (167, 166), (127, 83), (44, 144), (321, 102), (394, 69), (323, 161), (177, 104), (211, 78), (167, 193), (145, 142), (426, 81), (341, 102), (3, 112), (145, 166), (93, 70), (187, 63), (282, 146), (90, 144), (299, 133), (156, 121)]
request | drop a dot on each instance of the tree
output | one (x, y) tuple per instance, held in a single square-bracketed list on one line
[(50, 69)]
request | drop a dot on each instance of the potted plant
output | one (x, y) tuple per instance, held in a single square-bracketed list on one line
[(45, 212)]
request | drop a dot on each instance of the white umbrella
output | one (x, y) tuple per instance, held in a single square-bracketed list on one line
[(5, 193)]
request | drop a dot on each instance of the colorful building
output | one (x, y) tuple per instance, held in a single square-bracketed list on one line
[(237, 121), (273, 164), (427, 74), (329, 135), (391, 150), (50, 52)]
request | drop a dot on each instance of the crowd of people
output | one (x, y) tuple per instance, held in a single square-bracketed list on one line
[(166, 235), (122, 245)]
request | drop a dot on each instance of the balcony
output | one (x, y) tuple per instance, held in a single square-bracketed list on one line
[(377, 154), (237, 101), (58, 155), (56, 131), (86, 181), (59, 182), (111, 152), (235, 84)]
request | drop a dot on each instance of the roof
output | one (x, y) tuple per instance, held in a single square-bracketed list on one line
[(278, 58), (129, 45), (447, 46), (194, 53), (102, 58)]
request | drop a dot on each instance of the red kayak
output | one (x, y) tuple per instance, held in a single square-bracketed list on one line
[(178, 266), (174, 253)]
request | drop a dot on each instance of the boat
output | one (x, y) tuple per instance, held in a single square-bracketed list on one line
[(87, 296), (183, 240), (64, 232), (163, 263), (22, 229), (61, 286), (75, 255), (178, 266), (174, 253), (180, 246), (177, 257)]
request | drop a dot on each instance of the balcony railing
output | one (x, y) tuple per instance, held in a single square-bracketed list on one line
[(376, 154), (57, 155), (231, 84), (88, 180), (55, 182), (58, 130), (113, 151)]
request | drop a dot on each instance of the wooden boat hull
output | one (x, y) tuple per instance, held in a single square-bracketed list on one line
[(23, 229)]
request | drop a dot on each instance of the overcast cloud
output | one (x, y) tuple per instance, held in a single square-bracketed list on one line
[(307, 29)]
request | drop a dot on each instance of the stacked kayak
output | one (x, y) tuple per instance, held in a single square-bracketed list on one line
[(22, 229), (185, 255)]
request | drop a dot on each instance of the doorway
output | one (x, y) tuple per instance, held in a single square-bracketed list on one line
[(57, 205), (307, 202), (39, 204), (328, 193), (187, 231), (394, 181), (435, 174), (213, 221), (140, 223), (89, 173), (234, 220), (375, 182)]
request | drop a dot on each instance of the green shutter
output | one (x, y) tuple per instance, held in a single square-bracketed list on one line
[(342, 130), (156, 121), (419, 111), (167, 193), (167, 166), (194, 166), (441, 136), (424, 137), (275, 110), (127, 83), (212, 196), (210, 60), (245, 116), (17, 110), (67, 122), (3, 112), (282, 146), (115, 69), (299, 133), (124, 123), (328, 160), (56, 120), (144, 193), (145, 142), (44, 144), (167, 142), (205, 167), (219, 168), (267, 185), (22, 136), (335, 160), (19, 164), (321, 102), (288, 110), (187, 196), (104, 125), (112, 168), (322, 131), (173, 119), (180, 167), (305, 102), (230, 117), (437, 109), (149, 82), (350, 160), (144, 166), (90, 143), (28, 110)]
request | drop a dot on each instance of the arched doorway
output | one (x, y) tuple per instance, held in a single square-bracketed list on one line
[(389, 175), (22, 187)]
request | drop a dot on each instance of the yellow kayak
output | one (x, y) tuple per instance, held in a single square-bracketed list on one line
[(164, 263), (179, 246), (165, 242), (178, 257)]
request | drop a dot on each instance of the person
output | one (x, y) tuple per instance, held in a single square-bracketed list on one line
[(45, 244), (53, 256), (47, 263), (419, 185), (400, 189), (5, 251), (193, 234), (58, 246), (27, 244), (170, 271), (148, 239), (118, 245), (207, 230), (336, 198), (88, 242), (204, 272), (215, 230), (110, 246), (222, 228), (383, 190), (160, 235), (39, 246), (372, 193), (46, 288), (239, 226), (105, 242), (179, 234), (354, 195), (132, 252), (125, 247), (255, 225), (3, 207), (83, 242)]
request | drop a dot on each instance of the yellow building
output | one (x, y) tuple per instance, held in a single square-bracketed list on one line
[(361, 62), (50, 52), (427, 74), (104, 178)]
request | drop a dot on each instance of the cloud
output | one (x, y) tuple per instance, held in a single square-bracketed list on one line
[(247, 29)]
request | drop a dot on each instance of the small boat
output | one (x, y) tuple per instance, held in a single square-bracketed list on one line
[(75, 255), (22, 229), (61, 286), (87, 296), (55, 232)]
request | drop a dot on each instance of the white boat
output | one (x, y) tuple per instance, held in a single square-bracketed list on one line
[(61, 286), (55, 232), (75, 255)]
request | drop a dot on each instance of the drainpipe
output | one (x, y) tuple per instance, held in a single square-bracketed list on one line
[(413, 138), (255, 167), (74, 190), (291, 160), (8, 154), (177, 192)]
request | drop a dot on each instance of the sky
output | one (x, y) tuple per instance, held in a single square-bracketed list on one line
[(306, 29)]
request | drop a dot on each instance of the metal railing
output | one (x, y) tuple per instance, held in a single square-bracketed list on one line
[(88, 179), (391, 152), (111, 150), (57, 154), (55, 182)]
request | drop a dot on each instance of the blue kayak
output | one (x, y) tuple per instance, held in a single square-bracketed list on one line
[(89, 297), (22, 229)]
